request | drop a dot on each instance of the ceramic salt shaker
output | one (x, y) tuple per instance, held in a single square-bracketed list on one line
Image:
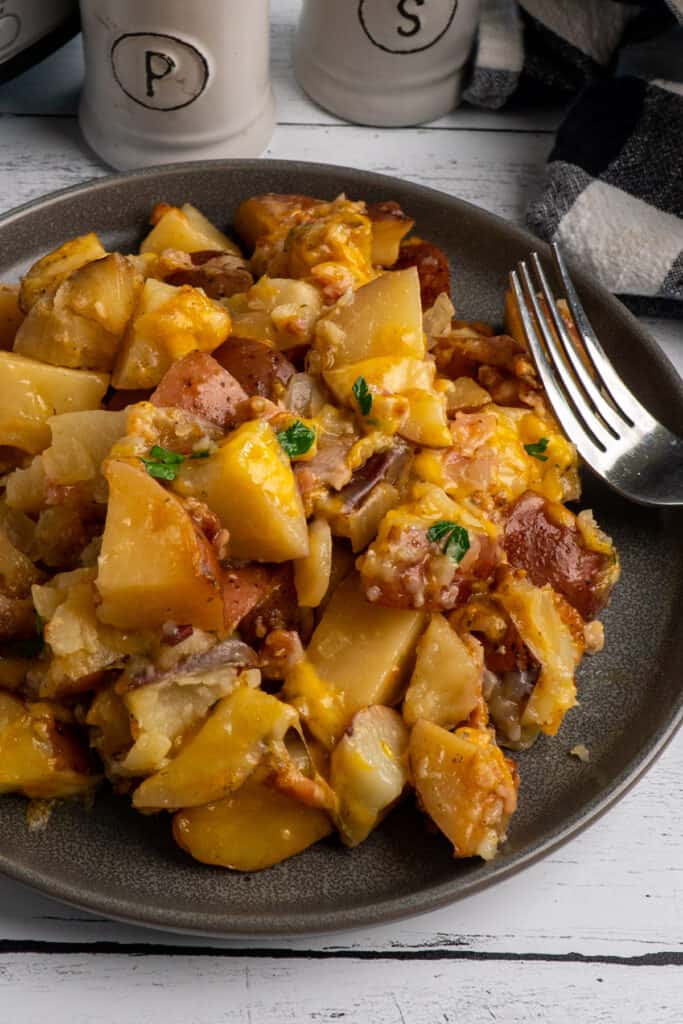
[(384, 62), (168, 80)]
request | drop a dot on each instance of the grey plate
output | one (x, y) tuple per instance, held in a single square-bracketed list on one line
[(123, 865)]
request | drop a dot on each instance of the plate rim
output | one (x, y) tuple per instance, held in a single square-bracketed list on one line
[(442, 894)]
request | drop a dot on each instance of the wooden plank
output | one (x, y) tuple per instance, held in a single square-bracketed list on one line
[(83, 989), (616, 889)]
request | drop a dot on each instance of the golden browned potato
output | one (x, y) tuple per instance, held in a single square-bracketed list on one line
[(312, 572), (445, 687), (261, 215), (49, 272), (32, 392), (276, 309), (248, 482), (40, 756), (251, 829), (168, 323), (11, 315), (369, 770), (221, 756), (186, 229), (383, 318), (390, 225), (465, 785), (155, 566)]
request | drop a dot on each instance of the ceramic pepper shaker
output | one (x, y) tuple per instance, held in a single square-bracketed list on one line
[(168, 80), (384, 62)]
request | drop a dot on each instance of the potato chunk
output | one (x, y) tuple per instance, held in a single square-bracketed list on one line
[(312, 573), (466, 786), (32, 392), (82, 323), (154, 566), (81, 442), (186, 229), (369, 770), (390, 225), (40, 756), (445, 686), (49, 271), (382, 318), (11, 315), (248, 482), (394, 374), (359, 651), (280, 310), (168, 323), (254, 828), (221, 756)]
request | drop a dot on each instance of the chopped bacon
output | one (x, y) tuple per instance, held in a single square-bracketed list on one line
[(281, 651), (542, 538), (459, 354)]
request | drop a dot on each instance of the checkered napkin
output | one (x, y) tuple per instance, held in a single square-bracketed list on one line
[(613, 193)]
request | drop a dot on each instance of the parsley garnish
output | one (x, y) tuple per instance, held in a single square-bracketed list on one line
[(163, 464), (363, 395), (31, 646), (537, 449), (297, 439), (456, 539)]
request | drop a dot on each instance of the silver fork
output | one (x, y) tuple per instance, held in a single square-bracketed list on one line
[(618, 438)]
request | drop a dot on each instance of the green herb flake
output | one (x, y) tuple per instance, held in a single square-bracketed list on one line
[(163, 464), (453, 539), (168, 458), (363, 395), (297, 439), (537, 448), (159, 471)]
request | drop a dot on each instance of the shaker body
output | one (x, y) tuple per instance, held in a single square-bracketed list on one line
[(384, 62), (168, 81)]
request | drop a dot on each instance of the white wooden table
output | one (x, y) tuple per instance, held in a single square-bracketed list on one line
[(592, 934)]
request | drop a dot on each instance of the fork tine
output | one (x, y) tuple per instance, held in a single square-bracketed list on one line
[(571, 392), (624, 399), (586, 445), (607, 412)]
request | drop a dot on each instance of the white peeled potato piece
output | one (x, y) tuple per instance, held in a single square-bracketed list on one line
[(465, 785), (251, 829), (186, 229), (445, 686), (312, 572), (369, 770), (53, 268), (222, 755)]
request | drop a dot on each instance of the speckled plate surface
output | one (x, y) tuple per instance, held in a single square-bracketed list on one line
[(120, 864)]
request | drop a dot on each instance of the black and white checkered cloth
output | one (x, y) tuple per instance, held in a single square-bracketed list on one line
[(613, 194)]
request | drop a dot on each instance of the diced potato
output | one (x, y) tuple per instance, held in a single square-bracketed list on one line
[(320, 704), (445, 686), (82, 323), (81, 441), (280, 310), (465, 785), (55, 267), (186, 229), (254, 828), (362, 650), (390, 225), (553, 632), (312, 573), (168, 323), (248, 482), (382, 318), (221, 756), (427, 420), (262, 215), (32, 392), (154, 566), (369, 770), (40, 756), (385, 373), (26, 488), (11, 315)]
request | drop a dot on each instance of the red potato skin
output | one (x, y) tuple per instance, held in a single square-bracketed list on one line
[(432, 269), (259, 369), (201, 386), (259, 599), (217, 273), (554, 553)]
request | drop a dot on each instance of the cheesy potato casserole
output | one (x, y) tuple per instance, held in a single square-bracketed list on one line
[(282, 539)]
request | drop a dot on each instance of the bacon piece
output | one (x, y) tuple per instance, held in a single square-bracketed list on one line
[(542, 537), (458, 354), (432, 269), (259, 369), (201, 386)]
